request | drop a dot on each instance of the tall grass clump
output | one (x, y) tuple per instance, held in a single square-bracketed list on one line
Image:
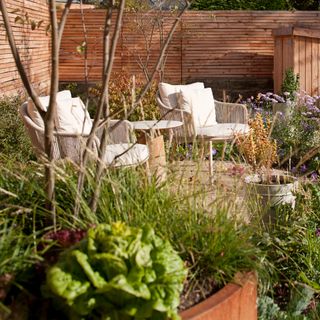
[(13, 139), (212, 240), (18, 253)]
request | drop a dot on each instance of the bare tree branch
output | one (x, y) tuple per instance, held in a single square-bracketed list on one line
[(63, 19), (156, 69), (161, 55)]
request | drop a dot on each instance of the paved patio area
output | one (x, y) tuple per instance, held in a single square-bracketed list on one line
[(227, 186)]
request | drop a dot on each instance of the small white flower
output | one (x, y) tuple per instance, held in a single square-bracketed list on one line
[(255, 178)]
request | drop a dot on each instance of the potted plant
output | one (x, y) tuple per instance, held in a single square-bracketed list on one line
[(290, 85), (273, 187), (235, 301)]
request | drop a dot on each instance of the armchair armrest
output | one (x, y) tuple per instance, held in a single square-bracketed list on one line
[(231, 112), (185, 132), (120, 131)]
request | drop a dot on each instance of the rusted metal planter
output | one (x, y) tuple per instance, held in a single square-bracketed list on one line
[(236, 301)]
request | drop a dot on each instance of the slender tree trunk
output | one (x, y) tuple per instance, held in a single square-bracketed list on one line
[(102, 102), (104, 141), (52, 110), (86, 74), (49, 116)]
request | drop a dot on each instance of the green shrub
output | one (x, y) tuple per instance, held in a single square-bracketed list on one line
[(298, 135), (300, 299), (119, 272), (14, 141), (122, 90), (290, 84), (240, 5), (292, 243)]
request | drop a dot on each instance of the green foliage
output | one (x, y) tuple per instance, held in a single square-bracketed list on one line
[(119, 272), (290, 84), (292, 243), (268, 309), (301, 296), (208, 236), (16, 248), (305, 4), (123, 90), (298, 135), (240, 5), (300, 299), (14, 141)]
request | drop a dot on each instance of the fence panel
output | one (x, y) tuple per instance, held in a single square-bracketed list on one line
[(34, 46)]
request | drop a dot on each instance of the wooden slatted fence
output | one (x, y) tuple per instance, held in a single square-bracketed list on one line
[(233, 50), (34, 47)]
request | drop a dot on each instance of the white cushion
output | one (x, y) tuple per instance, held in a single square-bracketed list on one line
[(73, 117), (64, 94), (168, 92), (33, 112), (223, 131), (201, 103), (139, 153), (185, 101)]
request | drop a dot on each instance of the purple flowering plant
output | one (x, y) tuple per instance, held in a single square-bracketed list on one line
[(263, 102), (298, 135)]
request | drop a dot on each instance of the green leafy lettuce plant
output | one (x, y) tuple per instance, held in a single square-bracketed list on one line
[(119, 272)]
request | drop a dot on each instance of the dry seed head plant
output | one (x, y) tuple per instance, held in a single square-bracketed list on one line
[(257, 148)]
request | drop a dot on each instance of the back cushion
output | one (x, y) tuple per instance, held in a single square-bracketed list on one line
[(73, 117), (168, 92), (201, 104), (33, 112)]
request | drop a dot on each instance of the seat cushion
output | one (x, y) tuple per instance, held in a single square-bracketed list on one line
[(223, 131), (168, 92), (201, 104), (137, 154)]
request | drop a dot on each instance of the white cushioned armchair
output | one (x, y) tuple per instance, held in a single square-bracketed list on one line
[(73, 128), (225, 113), (203, 117)]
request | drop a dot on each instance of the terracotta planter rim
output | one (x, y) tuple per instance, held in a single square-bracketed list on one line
[(203, 309)]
